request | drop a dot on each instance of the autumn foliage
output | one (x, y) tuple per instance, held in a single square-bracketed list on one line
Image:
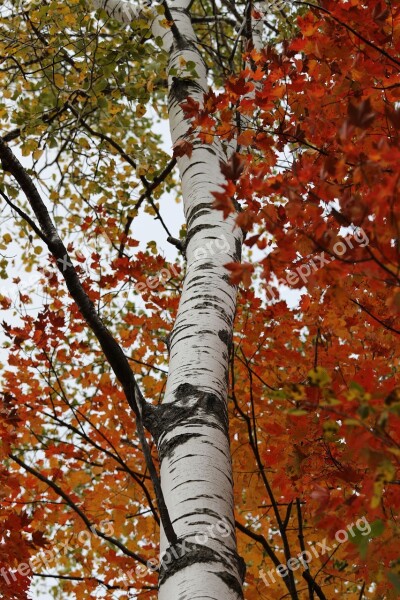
[(320, 139), (314, 397)]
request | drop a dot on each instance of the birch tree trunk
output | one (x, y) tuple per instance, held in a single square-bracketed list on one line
[(191, 427)]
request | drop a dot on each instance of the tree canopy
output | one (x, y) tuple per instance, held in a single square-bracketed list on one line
[(314, 393)]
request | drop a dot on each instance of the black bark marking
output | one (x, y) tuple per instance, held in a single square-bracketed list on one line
[(194, 211), (227, 279), (177, 330), (231, 581), (217, 306), (202, 496), (238, 250), (205, 266), (226, 337), (186, 337), (165, 417), (169, 446), (206, 282), (182, 87), (192, 165), (201, 512), (184, 554), (184, 390), (207, 410)]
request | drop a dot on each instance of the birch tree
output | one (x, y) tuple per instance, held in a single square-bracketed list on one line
[(191, 427), (195, 489), (159, 436)]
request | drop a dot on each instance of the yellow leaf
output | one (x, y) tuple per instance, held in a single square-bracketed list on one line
[(84, 143), (59, 80), (37, 154), (140, 110), (386, 472), (142, 169), (319, 377)]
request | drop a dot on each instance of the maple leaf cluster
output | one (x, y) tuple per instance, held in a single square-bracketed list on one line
[(320, 163)]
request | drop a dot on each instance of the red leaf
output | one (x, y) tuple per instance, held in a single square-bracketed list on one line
[(361, 115), (190, 108), (320, 494), (223, 200), (182, 148), (233, 168), (240, 273)]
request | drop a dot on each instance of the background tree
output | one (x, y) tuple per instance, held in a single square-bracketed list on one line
[(296, 142)]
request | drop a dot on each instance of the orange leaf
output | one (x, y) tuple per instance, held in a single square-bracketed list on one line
[(240, 273)]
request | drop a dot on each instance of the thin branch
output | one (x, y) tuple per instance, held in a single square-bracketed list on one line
[(76, 508), (147, 194), (349, 28), (289, 578), (149, 187), (110, 347), (302, 544), (256, 374), (118, 459), (24, 216), (308, 577), (261, 540), (214, 19), (317, 339), (76, 578), (375, 318), (112, 350), (175, 31), (288, 513)]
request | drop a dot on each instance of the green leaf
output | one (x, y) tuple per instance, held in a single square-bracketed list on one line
[(354, 386), (364, 411), (352, 422), (394, 579), (361, 538), (319, 377)]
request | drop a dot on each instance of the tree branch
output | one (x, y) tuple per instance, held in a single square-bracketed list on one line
[(311, 582), (349, 28), (375, 318), (289, 579), (261, 540), (112, 350), (149, 187), (147, 194), (302, 545), (76, 508)]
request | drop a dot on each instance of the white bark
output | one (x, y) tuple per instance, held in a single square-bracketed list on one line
[(192, 425), (258, 25), (123, 11), (196, 472)]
